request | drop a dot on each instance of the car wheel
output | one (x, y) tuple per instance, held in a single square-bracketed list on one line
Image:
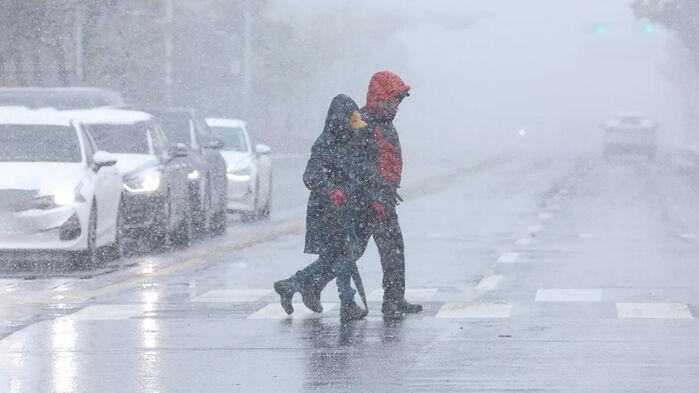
[(118, 247), (184, 232), (90, 257)]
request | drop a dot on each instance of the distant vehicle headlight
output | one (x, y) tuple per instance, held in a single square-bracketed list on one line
[(242, 174), (193, 175), (148, 182)]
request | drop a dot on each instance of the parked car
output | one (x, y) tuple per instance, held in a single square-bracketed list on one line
[(58, 191), (64, 98), (209, 186), (630, 133), (249, 169), (156, 203)]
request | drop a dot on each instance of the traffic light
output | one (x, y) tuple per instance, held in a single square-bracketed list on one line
[(650, 28), (600, 29)]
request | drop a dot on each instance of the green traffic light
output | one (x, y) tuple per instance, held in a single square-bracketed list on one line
[(600, 29), (650, 28)]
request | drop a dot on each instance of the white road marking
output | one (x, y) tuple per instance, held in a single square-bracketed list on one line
[(569, 295), (411, 294), (654, 310), (275, 311), (475, 310), (107, 312), (688, 236), (525, 241), (489, 283), (508, 257), (586, 236), (535, 228), (232, 295)]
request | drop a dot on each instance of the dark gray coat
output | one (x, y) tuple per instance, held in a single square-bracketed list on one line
[(329, 228)]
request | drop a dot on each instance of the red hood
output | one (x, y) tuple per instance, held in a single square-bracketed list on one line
[(383, 86)]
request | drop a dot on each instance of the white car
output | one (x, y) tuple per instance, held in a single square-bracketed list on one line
[(57, 191), (249, 169), (630, 133)]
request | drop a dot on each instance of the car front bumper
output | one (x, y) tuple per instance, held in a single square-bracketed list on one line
[(240, 196), (62, 228), (143, 212)]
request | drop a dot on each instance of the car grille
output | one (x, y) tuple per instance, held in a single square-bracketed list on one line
[(17, 200)]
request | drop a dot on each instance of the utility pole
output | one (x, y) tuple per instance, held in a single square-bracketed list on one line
[(78, 32), (247, 58), (169, 46)]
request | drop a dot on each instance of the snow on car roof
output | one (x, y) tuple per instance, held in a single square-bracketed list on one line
[(220, 122), (108, 116), (22, 115)]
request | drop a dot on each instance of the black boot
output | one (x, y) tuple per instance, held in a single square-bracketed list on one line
[(352, 312), (310, 296), (394, 308), (285, 289)]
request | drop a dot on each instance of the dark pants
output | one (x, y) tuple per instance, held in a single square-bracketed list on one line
[(389, 240)]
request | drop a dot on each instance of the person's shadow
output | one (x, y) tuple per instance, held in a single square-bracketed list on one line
[(339, 354)]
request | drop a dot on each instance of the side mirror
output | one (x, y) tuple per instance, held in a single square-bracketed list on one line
[(262, 149), (103, 159), (214, 144), (180, 150)]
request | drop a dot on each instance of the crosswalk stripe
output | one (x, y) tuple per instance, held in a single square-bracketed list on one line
[(508, 257), (654, 310), (232, 295), (568, 295), (275, 311), (489, 283), (411, 294), (107, 312)]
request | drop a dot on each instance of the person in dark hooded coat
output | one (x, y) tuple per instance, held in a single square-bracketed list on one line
[(334, 204), (378, 167)]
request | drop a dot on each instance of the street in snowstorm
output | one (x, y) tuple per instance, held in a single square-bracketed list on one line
[(179, 180)]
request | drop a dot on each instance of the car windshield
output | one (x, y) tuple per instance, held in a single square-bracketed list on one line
[(39, 143), (121, 138), (233, 138), (177, 128)]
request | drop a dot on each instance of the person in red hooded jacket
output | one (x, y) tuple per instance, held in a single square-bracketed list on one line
[(380, 165)]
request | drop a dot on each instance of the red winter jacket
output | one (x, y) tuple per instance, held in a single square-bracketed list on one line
[(382, 139)]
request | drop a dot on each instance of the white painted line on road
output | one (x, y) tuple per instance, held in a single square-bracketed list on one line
[(275, 311), (535, 228), (411, 294), (569, 295), (475, 310), (525, 241), (232, 295), (107, 312), (653, 310), (586, 236), (508, 257), (489, 283), (688, 236)]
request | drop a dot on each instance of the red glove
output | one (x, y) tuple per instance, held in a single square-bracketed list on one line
[(379, 211), (337, 198)]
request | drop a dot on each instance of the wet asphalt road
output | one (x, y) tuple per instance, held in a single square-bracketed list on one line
[(566, 274)]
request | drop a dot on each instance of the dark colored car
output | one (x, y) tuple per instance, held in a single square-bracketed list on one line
[(156, 203), (209, 181), (62, 98)]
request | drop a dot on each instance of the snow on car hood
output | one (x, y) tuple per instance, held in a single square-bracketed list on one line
[(236, 159), (43, 176), (131, 163)]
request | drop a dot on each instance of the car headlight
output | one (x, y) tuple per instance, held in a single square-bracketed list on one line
[(193, 175), (242, 174), (144, 183), (62, 196)]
